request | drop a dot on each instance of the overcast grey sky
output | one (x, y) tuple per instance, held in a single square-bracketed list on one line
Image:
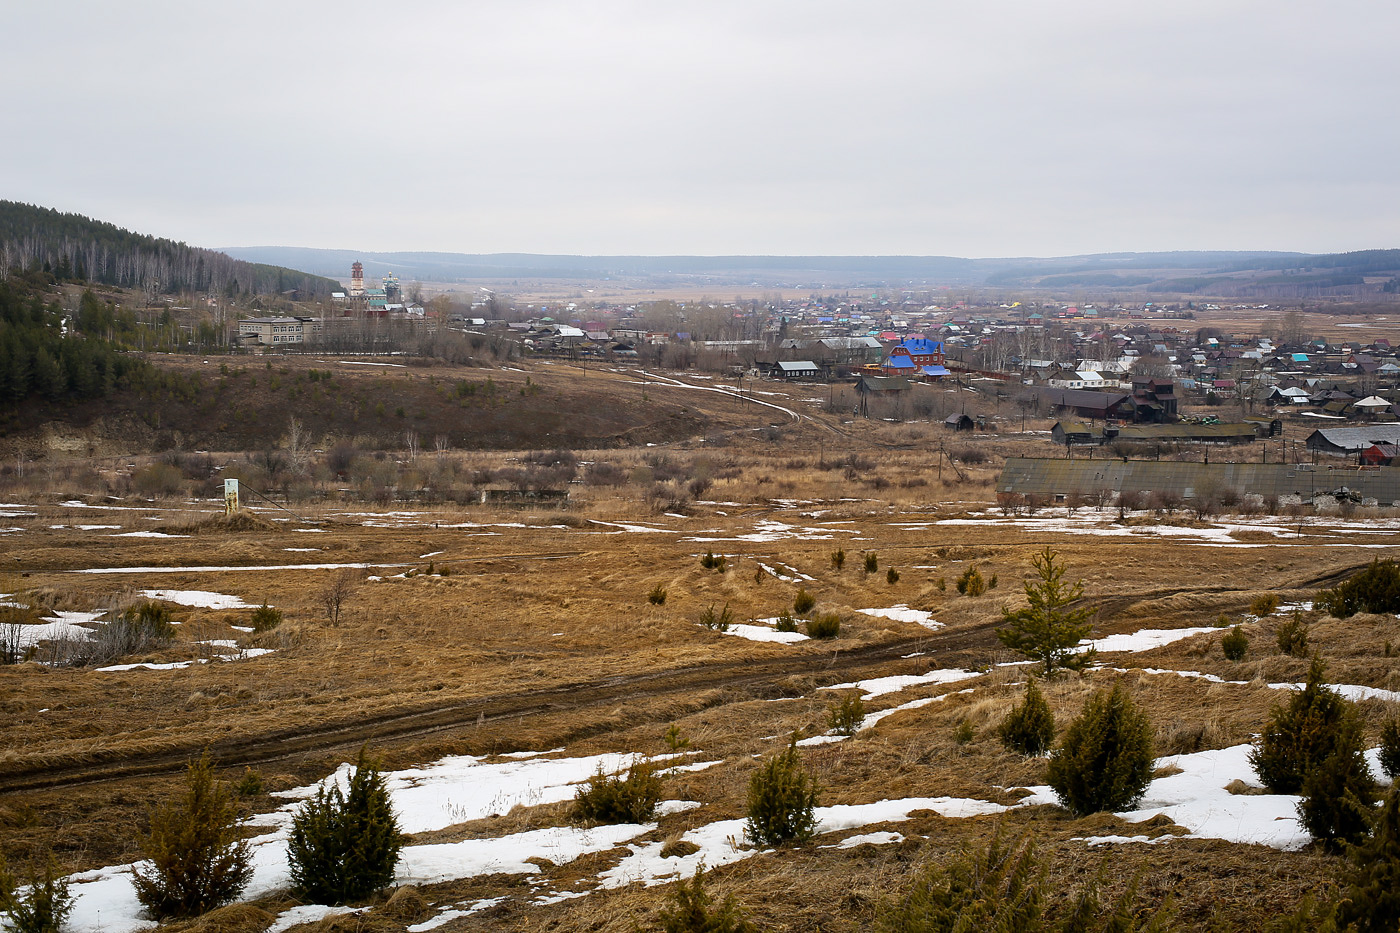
[(925, 127)]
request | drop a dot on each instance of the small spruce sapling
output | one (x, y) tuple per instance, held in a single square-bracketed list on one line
[(1234, 644), (1390, 748), (782, 801), (1104, 761), (344, 845), (676, 739), (717, 622), (196, 860), (43, 906), (615, 798), (266, 618), (1303, 732), (1030, 726), (1292, 637), (691, 909), (1050, 627), (826, 625), (845, 715), (971, 582)]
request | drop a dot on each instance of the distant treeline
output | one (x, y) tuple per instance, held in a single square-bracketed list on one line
[(74, 247), (42, 355)]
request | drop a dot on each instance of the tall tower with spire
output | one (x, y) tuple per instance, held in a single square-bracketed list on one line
[(357, 280)]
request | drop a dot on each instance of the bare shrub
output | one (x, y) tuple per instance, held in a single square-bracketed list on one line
[(340, 588)]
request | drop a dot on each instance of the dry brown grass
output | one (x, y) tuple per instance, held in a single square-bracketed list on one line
[(542, 607)]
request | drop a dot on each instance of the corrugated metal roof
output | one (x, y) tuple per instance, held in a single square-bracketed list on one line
[(1352, 440), (1052, 477)]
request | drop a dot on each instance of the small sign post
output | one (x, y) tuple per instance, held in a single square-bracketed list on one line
[(230, 496)]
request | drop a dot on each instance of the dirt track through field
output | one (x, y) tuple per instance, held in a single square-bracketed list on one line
[(550, 702)]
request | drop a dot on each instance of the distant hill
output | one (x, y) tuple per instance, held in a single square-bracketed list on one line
[(72, 246), (1241, 274), (1110, 270)]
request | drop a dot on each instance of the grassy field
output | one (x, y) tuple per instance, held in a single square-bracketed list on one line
[(471, 630)]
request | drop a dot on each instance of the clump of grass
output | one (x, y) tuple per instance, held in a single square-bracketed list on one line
[(963, 734)]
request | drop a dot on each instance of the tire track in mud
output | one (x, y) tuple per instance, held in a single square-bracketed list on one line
[(402, 726)]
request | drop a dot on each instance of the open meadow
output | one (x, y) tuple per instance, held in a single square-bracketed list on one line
[(495, 656)]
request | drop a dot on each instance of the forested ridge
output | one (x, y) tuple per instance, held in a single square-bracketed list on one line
[(71, 246), (44, 353)]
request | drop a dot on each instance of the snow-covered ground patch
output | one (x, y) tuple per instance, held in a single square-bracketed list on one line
[(903, 613), (243, 654), (874, 839), (210, 569), (767, 530), (147, 534), (764, 633), (61, 624), (879, 686), (633, 527), (201, 599), (1143, 640)]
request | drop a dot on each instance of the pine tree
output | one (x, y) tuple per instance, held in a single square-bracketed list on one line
[(1104, 761), (196, 859), (1047, 629), (1030, 726), (782, 801), (344, 846), (1302, 733)]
